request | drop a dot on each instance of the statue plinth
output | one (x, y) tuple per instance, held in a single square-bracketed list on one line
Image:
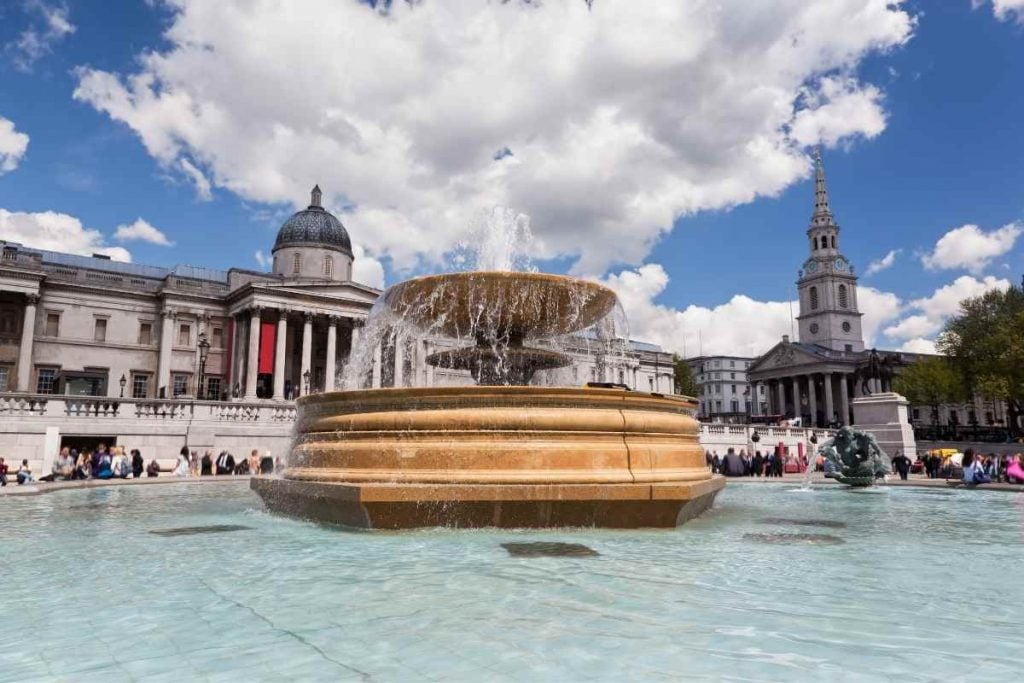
[(885, 416)]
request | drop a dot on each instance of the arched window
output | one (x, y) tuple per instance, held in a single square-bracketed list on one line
[(297, 263), (843, 301), (814, 298), (833, 241), (328, 266), (815, 247)]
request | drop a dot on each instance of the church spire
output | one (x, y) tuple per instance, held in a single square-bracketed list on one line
[(314, 199), (822, 212)]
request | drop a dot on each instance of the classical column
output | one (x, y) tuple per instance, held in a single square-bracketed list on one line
[(254, 354), (844, 400), (307, 353), (781, 394), (279, 353), (829, 405), (163, 372), (753, 398), (332, 349), (28, 335), (812, 397), (798, 406)]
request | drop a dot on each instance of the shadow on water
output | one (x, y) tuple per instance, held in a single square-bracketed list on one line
[(827, 523), (802, 539), (548, 549), (193, 530)]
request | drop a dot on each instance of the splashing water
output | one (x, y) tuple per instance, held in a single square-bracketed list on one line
[(494, 321)]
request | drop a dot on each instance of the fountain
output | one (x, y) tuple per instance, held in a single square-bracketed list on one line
[(509, 451), (854, 458)]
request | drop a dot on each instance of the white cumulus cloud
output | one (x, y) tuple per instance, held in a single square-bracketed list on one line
[(1006, 10), (883, 263), (141, 231), (741, 326), (925, 317), (262, 259), (919, 345), (971, 248), (617, 118), (49, 23), (56, 232), (12, 146)]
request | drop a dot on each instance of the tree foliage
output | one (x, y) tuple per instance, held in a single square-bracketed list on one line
[(931, 382), (685, 383), (987, 341)]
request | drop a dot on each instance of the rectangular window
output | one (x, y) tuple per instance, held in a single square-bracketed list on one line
[(99, 332), (52, 324), (145, 334), (180, 385), (5, 373), (185, 335), (732, 375), (735, 406), (46, 379), (718, 406), (213, 388), (734, 388), (732, 364), (217, 338), (140, 385), (917, 413)]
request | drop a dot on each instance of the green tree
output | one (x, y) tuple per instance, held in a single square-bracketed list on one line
[(685, 383), (931, 382), (987, 341)]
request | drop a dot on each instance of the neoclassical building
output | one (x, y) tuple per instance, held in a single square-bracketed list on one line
[(90, 326)]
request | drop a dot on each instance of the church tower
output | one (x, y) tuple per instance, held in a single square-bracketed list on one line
[(829, 315)]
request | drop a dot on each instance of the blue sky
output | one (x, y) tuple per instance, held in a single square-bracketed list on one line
[(922, 138)]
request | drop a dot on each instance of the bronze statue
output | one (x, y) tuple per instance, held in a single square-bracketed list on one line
[(854, 458), (876, 367)]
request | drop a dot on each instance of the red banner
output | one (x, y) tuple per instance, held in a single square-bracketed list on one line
[(268, 334)]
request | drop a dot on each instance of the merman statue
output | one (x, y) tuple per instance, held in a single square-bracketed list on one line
[(854, 458)]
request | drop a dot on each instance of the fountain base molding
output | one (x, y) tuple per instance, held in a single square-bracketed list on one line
[(494, 457)]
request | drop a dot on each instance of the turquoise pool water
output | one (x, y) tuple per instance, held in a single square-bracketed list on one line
[(919, 585)]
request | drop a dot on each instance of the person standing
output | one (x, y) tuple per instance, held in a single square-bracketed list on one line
[(181, 467), (225, 463), (254, 462), (902, 465), (3, 472), (758, 464), (138, 464), (206, 464)]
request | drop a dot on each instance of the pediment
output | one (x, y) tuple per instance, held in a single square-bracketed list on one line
[(784, 355)]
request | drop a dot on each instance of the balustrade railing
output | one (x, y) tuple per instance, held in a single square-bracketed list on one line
[(157, 410), (22, 405)]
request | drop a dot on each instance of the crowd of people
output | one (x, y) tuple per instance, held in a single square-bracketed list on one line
[(983, 469), (743, 464), (113, 463)]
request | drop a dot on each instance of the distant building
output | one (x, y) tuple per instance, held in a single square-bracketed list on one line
[(812, 378), (724, 393)]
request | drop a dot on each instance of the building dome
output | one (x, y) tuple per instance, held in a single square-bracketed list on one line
[(314, 226)]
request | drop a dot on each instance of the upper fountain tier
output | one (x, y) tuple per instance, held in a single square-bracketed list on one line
[(497, 305)]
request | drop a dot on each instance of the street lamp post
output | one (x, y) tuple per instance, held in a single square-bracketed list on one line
[(204, 352), (123, 381)]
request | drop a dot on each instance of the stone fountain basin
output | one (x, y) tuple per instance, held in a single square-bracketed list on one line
[(514, 304), (494, 456)]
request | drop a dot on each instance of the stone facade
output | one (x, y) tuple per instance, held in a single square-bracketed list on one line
[(724, 393)]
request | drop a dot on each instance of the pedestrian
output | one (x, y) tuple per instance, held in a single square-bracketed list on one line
[(225, 463), (716, 463), (206, 464), (974, 471), (181, 466), (63, 467), (1015, 470), (254, 462), (902, 465), (3, 472), (758, 464), (153, 469), (24, 473), (83, 467), (193, 464), (138, 464)]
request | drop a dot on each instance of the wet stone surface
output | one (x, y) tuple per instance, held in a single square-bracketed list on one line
[(795, 539), (548, 549), (193, 530), (827, 523)]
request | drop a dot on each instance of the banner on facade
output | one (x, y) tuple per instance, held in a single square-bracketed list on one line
[(268, 335)]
